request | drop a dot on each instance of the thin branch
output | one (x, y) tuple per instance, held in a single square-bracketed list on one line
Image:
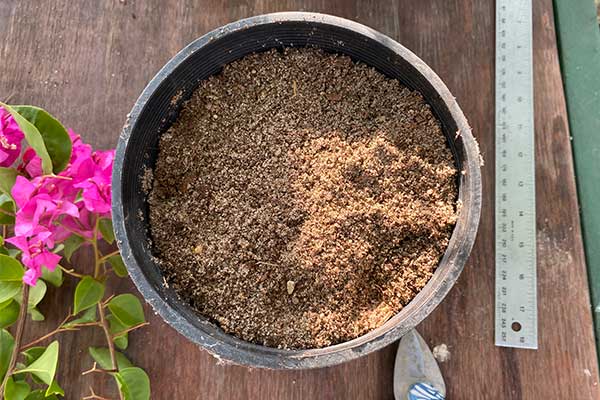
[(103, 321), (74, 327), (111, 345), (105, 302), (115, 335), (84, 324), (71, 272), (99, 370), (18, 337), (94, 396), (96, 252), (58, 329), (105, 257)]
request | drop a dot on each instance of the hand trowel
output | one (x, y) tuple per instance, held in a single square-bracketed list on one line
[(416, 373)]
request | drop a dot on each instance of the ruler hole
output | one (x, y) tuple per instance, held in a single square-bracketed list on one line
[(516, 326)]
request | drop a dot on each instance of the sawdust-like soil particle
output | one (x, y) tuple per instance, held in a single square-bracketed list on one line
[(300, 199)]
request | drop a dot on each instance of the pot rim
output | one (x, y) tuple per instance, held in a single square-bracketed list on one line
[(228, 348)]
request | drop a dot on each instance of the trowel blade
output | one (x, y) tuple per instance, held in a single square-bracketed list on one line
[(415, 364)]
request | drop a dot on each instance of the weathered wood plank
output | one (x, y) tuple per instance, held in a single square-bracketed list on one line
[(87, 62)]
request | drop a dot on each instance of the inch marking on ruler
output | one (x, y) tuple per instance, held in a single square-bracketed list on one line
[(516, 280)]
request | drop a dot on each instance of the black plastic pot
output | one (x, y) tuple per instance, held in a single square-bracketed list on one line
[(156, 109)]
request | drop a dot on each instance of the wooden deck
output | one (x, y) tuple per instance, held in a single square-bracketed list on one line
[(87, 62)]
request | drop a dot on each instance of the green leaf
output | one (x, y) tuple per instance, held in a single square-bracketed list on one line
[(54, 388), (88, 315), (11, 270), (33, 137), (127, 309), (13, 252), (33, 353), (8, 176), (37, 395), (36, 294), (115, 326), (58, 248), (5, 304), (118, 266), (9, 314), (6, 347), (16, 390), (6, 206), (55, 278), (45, 366), (122, 341), (72, 243), (87, 294), (56, 138), (133, 383), (21, 377), (36, 314), (102, 356), (106, 229), (8, 290)]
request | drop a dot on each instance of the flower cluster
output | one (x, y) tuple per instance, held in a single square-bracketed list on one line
[(50, 208), (10, 139), (55, 196)]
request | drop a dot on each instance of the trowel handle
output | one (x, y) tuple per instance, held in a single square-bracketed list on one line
[(423, 391)]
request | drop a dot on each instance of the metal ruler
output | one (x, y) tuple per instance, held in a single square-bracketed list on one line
[(516, 281)]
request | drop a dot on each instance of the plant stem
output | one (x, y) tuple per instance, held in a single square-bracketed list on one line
[(18, 337), (111, 347), (103, 321), (105, 257), (100, 370), (57, 331), (71, 272), (96, 252), (117, 334), (94, 396), (109, 340)]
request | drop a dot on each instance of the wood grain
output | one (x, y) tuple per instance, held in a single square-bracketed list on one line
[(88, 61)]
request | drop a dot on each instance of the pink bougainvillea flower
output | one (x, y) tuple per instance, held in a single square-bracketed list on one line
[(96, 189), (32, 163), (96, 196), (50, 208), (11, 137), (35, 255), (31, 276), (37, 208), (22, 191), (83, 226)]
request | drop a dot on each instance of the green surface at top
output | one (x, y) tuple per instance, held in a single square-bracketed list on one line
[(579, 46)]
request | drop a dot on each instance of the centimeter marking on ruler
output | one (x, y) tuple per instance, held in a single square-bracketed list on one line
[(516, 281)]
